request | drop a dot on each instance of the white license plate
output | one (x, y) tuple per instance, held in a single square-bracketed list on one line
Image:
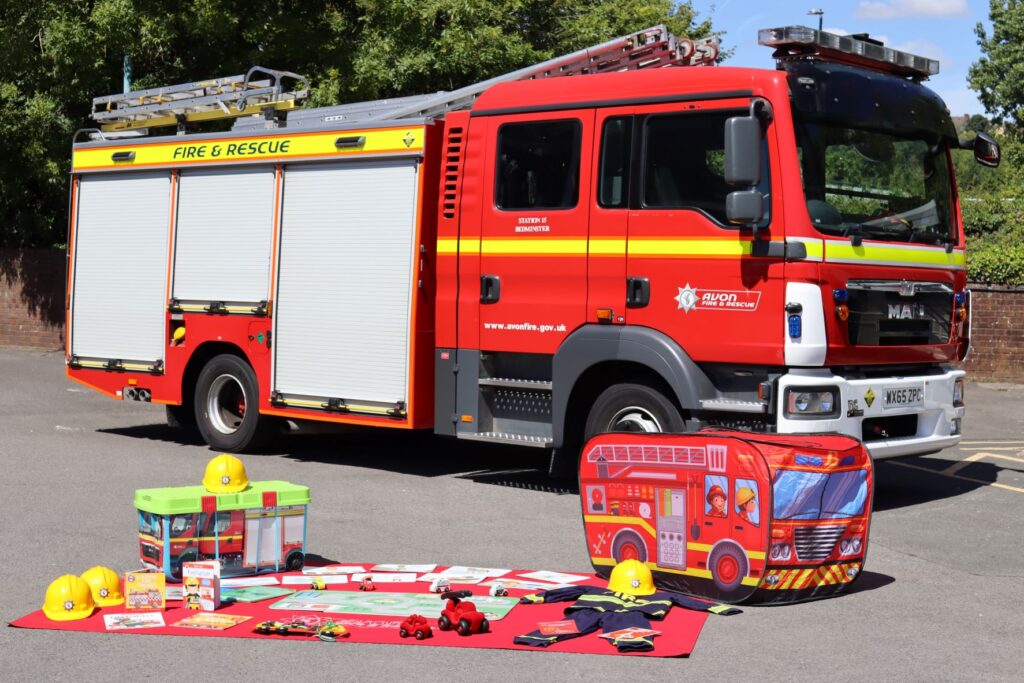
[(903, 397)]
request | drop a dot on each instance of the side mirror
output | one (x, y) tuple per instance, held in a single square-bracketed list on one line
[(742, 150), (745, 207), (986, 150)]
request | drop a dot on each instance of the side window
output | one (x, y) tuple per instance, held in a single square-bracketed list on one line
[(684, 157), (616, 140), (746, 501), (716, 495), (538, 165)]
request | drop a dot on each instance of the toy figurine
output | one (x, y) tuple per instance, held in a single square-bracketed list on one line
[(367, 584), (415, 626), (498, 590), (462, 615), (191, 592), (440, 586), (317, 584)]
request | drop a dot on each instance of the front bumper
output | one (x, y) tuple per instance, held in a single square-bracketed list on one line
[(937, 419)]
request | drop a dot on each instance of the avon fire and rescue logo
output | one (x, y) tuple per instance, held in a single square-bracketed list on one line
[(693, 298)]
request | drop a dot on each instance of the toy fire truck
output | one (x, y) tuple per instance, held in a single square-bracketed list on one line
[(248, 526), (730, 515), (590, 244)]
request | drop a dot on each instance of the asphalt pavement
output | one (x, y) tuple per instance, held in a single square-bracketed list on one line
[(941, 598)]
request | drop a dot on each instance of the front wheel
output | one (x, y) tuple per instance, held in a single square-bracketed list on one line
[(226, 406), (633, 408)]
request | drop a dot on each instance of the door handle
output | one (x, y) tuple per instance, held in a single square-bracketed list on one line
[(490, 289), (638, 292)]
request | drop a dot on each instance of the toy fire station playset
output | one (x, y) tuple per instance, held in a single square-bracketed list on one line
[(730, 515), (246, 526)]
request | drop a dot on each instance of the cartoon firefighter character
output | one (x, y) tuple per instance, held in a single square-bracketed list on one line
[(746, 504), (716, 499), (191, 592)]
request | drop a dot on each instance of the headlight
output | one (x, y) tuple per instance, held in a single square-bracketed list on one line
[(844, 546), (780, 551), (812, 402), (958, 392), (855, 545)]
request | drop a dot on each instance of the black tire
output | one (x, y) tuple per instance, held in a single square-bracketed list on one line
[(182, 417), (728, 565), (444, 623), (485, 626), (405, 634), (295, 562), (632, 408), (462, 628), (420, 634), (226, 406)]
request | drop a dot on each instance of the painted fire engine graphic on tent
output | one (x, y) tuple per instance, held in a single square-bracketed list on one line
[(723, 517), (692, 298)]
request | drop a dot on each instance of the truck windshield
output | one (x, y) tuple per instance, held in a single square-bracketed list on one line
[(881, 185), (815, 495)]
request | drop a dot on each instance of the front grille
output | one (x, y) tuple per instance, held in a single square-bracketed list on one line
[(881, 316), (814, 544), (892, 427)]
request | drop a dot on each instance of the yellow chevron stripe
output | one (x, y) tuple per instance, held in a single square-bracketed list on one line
[(897, 255)]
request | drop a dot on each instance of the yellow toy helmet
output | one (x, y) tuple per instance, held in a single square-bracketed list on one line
[(225, 474), (68, 598), (745, 495), (105, 585), (631, 577)]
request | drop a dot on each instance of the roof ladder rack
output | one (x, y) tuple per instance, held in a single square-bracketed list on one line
[(218, 98)]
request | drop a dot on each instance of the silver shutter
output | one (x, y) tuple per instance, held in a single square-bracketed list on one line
[(223, 235), (345, 281), (120, 274)]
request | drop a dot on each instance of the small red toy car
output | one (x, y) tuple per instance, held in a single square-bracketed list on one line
[(367, 584), (461, 615), (415, 626)]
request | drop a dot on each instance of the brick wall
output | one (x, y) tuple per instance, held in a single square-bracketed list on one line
[(997, 340), (32, 314), (32, 298)]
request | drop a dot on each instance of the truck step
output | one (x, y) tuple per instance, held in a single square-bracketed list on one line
[(501, 437), (733, 406), (524, 384)]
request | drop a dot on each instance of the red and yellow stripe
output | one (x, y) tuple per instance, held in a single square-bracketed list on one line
[(812, 577)]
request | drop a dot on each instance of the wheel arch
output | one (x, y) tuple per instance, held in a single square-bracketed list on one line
[(597, 356), (198, 360)]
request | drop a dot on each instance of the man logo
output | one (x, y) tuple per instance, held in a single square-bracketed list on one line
[(906, 311)]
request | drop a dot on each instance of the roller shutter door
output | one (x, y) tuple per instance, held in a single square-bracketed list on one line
[(223, 235), (119, 299), (345, 281)]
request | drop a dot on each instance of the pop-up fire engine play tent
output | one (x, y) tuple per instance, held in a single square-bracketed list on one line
[(730, 515)]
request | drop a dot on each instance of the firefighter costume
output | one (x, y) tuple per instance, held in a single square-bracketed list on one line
[(630, 600)]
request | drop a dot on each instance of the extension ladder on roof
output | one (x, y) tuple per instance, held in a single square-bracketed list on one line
[(217, 98)]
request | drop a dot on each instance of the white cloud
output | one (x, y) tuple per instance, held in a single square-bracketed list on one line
[(930, 50), (895, 9)]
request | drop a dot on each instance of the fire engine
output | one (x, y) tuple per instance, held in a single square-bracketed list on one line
[(536, 259), (730, 515)]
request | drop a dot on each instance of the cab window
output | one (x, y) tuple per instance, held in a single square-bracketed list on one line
[(684, 163), (181, 524), (716, 495), (615, 159), (538, 165), (746, 502)]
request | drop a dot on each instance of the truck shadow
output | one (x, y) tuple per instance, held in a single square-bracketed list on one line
[(913, 481)]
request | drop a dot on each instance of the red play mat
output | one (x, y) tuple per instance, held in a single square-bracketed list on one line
[(679, 631)]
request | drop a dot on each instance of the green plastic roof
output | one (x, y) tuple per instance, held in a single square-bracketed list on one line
[(185, 499)]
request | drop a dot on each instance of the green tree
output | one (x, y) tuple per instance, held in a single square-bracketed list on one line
[(59, 54), (999, 75)]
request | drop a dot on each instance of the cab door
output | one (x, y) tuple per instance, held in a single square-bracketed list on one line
[(533, 241), (711, 288)]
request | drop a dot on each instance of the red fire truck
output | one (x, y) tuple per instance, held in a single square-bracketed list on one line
[(537, 259), (729, 514)]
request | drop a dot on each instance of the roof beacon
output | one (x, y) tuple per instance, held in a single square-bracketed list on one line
[(801, 42)]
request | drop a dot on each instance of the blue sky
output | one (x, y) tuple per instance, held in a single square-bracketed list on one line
[(941, 29)]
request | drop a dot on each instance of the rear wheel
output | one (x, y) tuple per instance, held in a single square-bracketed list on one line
[(628, 545), (633, 408), (225, 406), (444, 623)]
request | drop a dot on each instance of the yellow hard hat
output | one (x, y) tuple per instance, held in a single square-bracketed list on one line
[(225, 474), (632, 577), (68, 598), (105, 585), (745, 495)]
